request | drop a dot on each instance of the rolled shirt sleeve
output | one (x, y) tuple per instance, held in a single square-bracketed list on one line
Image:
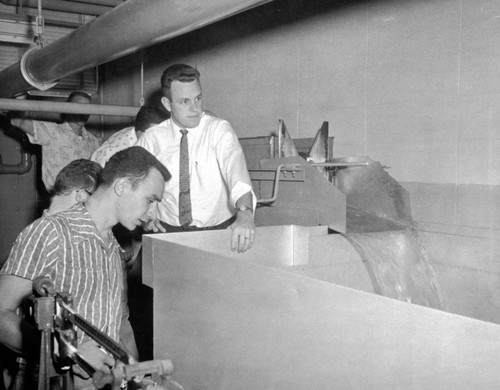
[(233, 165)]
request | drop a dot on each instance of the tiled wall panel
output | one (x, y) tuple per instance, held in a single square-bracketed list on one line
[(413, 84)]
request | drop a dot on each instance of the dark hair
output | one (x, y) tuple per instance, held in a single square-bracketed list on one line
[(133, 163), (81, 174), (148, 116), (79, 93), (77, 117), (178, 72)]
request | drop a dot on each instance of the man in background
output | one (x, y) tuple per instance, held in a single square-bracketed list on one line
[(61, 142), (210, 186), (147, 117), (74, 184)]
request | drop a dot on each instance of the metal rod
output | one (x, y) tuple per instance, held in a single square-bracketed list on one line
[(109, 3), (44, 366), (332, 165), (101, 338), (125, 29), (284, 167), (66, 108), (74, 355), (296, 167)]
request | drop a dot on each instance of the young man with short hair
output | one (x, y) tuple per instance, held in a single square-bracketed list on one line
[(77, 250)]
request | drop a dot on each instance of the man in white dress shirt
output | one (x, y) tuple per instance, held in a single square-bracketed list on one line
[(219, 192)]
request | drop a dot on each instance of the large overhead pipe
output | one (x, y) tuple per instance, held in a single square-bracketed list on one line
[(66, 108), (127, 28)]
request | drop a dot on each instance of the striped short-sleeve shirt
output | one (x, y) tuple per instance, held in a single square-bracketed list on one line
[(67, 248)]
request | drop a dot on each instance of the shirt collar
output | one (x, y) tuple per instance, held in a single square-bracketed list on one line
[(85, 133), (83, 227), (176, 128)]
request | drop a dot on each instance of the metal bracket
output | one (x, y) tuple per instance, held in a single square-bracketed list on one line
[(291, 172)]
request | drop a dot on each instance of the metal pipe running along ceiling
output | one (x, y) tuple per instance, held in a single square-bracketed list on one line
[(129, 27), (66, 107)]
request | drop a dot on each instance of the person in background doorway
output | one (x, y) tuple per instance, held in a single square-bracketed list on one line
[(146, 117), (131, 185), (214, 190), (61, 142)]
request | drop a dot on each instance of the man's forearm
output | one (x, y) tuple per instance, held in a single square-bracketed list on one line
[(245, 202), (24, 124), (128, 340)]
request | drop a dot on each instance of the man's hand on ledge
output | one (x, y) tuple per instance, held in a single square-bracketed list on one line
[(243, 228)]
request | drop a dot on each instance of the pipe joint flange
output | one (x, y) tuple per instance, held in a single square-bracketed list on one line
[(34, 83)]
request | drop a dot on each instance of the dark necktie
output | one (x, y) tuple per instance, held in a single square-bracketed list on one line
[(185, 217)]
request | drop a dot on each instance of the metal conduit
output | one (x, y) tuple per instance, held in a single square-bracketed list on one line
[(17, 169), (66, 108), (125, 29), (110, 3), (63, 6)]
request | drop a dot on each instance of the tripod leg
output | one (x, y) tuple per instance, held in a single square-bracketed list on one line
[(45, 361), (68, 381)]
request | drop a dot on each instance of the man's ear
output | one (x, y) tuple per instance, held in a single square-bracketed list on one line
[(81, 195), (121, 185), (166, 103)]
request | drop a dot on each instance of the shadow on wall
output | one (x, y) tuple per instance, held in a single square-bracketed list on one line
[(265, 17)]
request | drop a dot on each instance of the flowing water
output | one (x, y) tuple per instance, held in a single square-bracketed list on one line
[(394, 258)]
